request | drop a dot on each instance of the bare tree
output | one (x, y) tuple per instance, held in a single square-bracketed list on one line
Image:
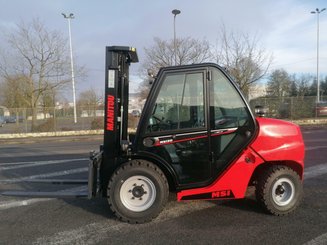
[(12, 92), (188, 51), (279, 83), (303, 84), (89, 98), (162, 54), (90, 101), (323, 88), (39, 58), (241, 55)]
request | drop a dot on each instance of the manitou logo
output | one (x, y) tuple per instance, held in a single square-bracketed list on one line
[(110, 113), (221, 194)]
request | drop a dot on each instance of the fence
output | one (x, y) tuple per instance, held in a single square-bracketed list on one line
[(292, 108), (54, 119)]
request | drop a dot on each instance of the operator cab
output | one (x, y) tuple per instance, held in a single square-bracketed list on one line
[(195, 123)]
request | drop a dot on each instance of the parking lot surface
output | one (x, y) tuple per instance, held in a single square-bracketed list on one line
[(82, 221)]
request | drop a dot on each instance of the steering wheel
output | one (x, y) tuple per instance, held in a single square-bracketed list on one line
[(161, 124)]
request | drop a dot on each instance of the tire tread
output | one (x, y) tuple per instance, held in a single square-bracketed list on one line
[(262, 189), (130, 165)]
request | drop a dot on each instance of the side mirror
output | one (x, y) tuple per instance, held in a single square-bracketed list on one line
[(260, 111), (151, 75)]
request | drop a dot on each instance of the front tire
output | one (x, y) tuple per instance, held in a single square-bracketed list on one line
[(137, 191), (279, 190)]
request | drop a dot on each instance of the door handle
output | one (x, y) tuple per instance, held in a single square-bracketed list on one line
[(149, 142)]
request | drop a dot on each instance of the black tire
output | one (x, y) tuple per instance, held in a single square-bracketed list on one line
[(279, 190), (137, 191)]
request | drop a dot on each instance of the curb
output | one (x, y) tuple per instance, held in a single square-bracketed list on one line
[(51, 134), (304, 122), (310, 122)]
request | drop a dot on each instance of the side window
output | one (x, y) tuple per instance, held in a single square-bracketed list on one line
[(226, 104), (180, 103)]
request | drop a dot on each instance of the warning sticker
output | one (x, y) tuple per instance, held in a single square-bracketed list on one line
[(111, 79)]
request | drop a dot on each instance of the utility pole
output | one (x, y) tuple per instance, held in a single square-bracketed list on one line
[(175, 12), (69, 17), (317, 11)]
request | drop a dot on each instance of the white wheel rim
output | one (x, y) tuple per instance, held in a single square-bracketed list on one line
[(283, 191), (138, 193)]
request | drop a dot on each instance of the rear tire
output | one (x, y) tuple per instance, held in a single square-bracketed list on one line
[(137, 191), (279, 190)]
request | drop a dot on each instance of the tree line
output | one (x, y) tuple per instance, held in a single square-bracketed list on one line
[(282, 84), (35, 69), (237, 52)]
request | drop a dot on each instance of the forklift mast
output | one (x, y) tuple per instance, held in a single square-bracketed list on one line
[(118, 59)]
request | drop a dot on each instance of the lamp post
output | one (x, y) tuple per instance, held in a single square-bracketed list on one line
[(317, 11), (69, 17), (175, 12)]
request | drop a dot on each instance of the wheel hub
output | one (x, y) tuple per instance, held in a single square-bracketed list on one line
[(280, 190), (138, 193), (283, 192)]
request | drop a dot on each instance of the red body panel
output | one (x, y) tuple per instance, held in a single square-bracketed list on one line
[(279, 141), (235, 180), (276, 141)]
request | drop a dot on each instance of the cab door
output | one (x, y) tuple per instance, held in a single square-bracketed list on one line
[(232, 125), (177, 129)]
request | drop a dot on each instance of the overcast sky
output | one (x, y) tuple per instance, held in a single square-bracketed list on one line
[(285, 27)]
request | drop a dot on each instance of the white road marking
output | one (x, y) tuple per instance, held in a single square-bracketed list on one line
[(315, 140), (40, 176), (320, 240), (315, 171), (17, 165), (310, 172), (314, 131), (96, 232), (310, 148), (18, 203)]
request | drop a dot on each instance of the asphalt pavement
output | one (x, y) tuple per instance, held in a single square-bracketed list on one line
[(83, 221)]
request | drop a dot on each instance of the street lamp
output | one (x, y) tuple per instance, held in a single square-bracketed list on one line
[(175, 12), (317, 11), (69, 17)]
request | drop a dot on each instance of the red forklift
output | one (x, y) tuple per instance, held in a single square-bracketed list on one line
[(196, 137)]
